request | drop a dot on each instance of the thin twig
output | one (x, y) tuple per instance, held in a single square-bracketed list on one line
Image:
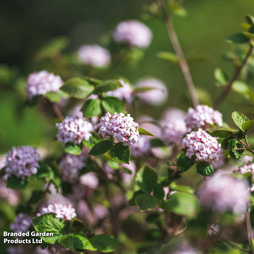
[(179, 53), (228, 88), (249, 231)]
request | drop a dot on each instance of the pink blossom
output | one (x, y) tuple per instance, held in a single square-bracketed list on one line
[(202, 145), (225, 193), (9, 195), (246, 168), (124, 93), (94, 55), (202, 117), (64, 212), (133, 33), (122, 127), (74, 130), (15, 250), (100, 211), (22, 223), (40, 83), (156, 96), (22, 161), (171, 115), (141, 148), (90, 180)]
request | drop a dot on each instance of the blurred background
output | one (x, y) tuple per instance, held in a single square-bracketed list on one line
[(27, 25)]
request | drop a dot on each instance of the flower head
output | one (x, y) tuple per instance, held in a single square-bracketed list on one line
[(22, 223), (123, 93), (202, 145), (122, 127), (202, 117), (225, 193), (64, 212), (246, 168), (94, 55), (22, 161), (133, 33), (74, 130), (70, 166), (173, 131), (140, 148), (90, 180), (39, 83), (157, 95)]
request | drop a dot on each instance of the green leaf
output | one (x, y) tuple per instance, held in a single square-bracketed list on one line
[(239, 118), (233, 146), (101, 147), (135, 194), (181, 203), (93, 140), (113, 104), (249, 35), (56, 96), (82, 243), (144, 132), (146, 202), (184, 163), (36, 195), (105, 243), (153, 217), (250, 19), (67, 241), (16, 183), (44, 171), (221, 132), (158, 191), (50, 224), (176, 187), (109, 85), (247, 125), (204, 168), (146, 178), (92, 108), (120, 153), (93, 81), (156, 142), (238, 38), (73, 149), (168, 56), (220, 76), (77, 88)]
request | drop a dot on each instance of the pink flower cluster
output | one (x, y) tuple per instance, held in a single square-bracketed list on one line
[(246, 168), (70, 166), (173, 131), (22, 223), (122, 127), (202, 145), (74, 130), (22, 161), (202, 117), (9, 195), (94, 55), (133, 33), (158, 93), (40, 83), (140, 148), (225, 193), (123, 93), (64, 212)]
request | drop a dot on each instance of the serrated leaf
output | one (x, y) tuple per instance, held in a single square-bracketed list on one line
[(92, 108), (77, 88), (146, 202), (67, 241), (105, 243), (120, 153), (168, 56), (146, 178), (239, 119), (16, 183), (101, 147), (82, 243), (204, 168), (73, 149), (50, 224), (144, 132), (233, 146), (181, 203), (158, 191), (221, 132), (106, 86), (113, 104), (184, 163), (247, 125), (238, 38)]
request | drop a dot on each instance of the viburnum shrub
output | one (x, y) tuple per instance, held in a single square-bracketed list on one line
[(113, 179)]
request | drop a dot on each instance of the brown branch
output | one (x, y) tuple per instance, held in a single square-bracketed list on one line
[(179, 53), (238, 70)]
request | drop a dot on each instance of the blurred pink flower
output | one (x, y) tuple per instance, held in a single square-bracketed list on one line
[(90, 180), (141, 148), (9, 195), (22, 223)]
